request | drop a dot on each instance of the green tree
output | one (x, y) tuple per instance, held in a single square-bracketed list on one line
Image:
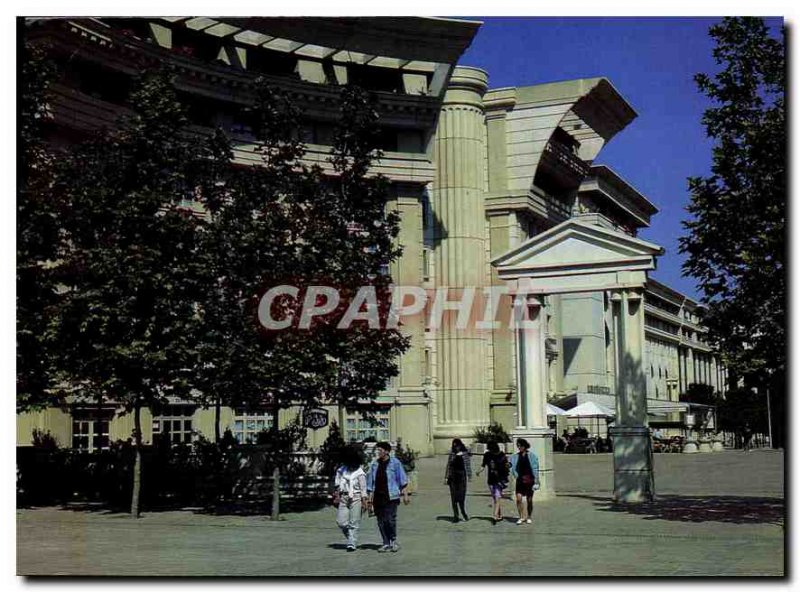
[(735, 239), (284, 222), (127, 265), (702, 394), (742, 406), (243, 242), (38, 238)]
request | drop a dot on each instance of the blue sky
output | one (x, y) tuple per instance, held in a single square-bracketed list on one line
[(651, 62)]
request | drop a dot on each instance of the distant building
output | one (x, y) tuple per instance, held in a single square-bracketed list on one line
[(474, 172)]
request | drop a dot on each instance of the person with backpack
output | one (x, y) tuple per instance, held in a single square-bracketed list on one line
[(525, 468), (456, 475), (350, 490), (496, 464)]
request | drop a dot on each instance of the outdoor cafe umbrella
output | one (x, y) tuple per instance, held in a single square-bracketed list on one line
[(553, 410), (591, 409)]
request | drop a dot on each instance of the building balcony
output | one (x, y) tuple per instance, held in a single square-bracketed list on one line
[(560, 169)]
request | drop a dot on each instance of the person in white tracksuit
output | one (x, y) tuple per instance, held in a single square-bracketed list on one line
[(350, 491)]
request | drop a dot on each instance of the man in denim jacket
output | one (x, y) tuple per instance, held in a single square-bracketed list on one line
[(386, 481)]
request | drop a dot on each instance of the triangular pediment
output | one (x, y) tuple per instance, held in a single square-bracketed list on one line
[(575, 248)]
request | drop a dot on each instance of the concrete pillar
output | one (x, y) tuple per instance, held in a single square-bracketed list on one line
[(460, 254), (691, 375), (532, 390), (497, 103), (633, 471)]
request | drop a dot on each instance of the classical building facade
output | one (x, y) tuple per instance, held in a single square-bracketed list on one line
[(475, 172)]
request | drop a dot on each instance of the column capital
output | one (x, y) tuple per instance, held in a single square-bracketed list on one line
[(523, 299), (467, 87)]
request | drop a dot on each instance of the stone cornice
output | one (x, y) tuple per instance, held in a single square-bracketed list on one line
[(539, 206), (217, 81)]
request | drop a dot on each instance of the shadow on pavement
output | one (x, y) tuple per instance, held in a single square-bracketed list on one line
[(445, 519), (684, 508), (94, 507), (220, 509), (365, 547)]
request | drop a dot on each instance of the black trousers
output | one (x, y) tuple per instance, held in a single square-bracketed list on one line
[(458, 494), (387, 521)]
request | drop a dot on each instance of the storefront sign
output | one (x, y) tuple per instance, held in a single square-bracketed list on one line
[(315, 418)]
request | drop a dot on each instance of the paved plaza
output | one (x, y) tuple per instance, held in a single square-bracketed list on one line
[(716, 514)]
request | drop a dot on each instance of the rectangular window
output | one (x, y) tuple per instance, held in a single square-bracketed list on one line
[(427, 366), (175, 424), (357, 428), (247, 424), (90, 430)]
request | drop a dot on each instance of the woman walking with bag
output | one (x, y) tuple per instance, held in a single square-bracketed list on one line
[(525, 468), (350, 490), (456, 475), (496, 464)]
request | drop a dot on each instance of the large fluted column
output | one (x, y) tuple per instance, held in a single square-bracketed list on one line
[(460, 253)]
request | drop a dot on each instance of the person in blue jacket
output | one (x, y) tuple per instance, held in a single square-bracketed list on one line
[(386, 482), (525, 469)]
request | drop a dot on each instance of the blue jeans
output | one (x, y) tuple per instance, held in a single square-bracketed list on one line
[(387, 521)]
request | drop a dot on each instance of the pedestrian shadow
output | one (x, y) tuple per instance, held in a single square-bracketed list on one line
[(445, 519), (365, 547), (685, 508)]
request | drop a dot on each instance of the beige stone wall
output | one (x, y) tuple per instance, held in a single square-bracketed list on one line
[(54, 421)]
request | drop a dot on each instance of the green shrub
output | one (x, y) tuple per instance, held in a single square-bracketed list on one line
[(494, 432), (43, 440), (406, 456)]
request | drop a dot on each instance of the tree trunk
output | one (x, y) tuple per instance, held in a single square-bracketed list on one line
[(276, 472), (276, 493), (137, 465), (217, 413)]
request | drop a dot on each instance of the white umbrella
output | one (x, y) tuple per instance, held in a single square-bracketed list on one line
[(590, 409), (553, 410)]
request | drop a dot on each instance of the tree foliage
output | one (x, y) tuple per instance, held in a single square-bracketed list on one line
[(702, 394), (735, 239), (38, 237), (282, 222), (144, 252), (742, 406), (126, 268)]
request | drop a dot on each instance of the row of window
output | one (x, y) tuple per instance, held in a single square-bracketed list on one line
[(660, 325), (90, 429)]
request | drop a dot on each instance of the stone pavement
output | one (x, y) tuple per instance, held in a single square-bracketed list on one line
[(716, 514)]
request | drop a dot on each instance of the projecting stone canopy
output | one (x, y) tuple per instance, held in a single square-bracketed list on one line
[(577, 257)]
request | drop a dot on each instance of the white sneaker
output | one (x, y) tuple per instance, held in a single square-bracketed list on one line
[(520, 521), (528, 521)]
